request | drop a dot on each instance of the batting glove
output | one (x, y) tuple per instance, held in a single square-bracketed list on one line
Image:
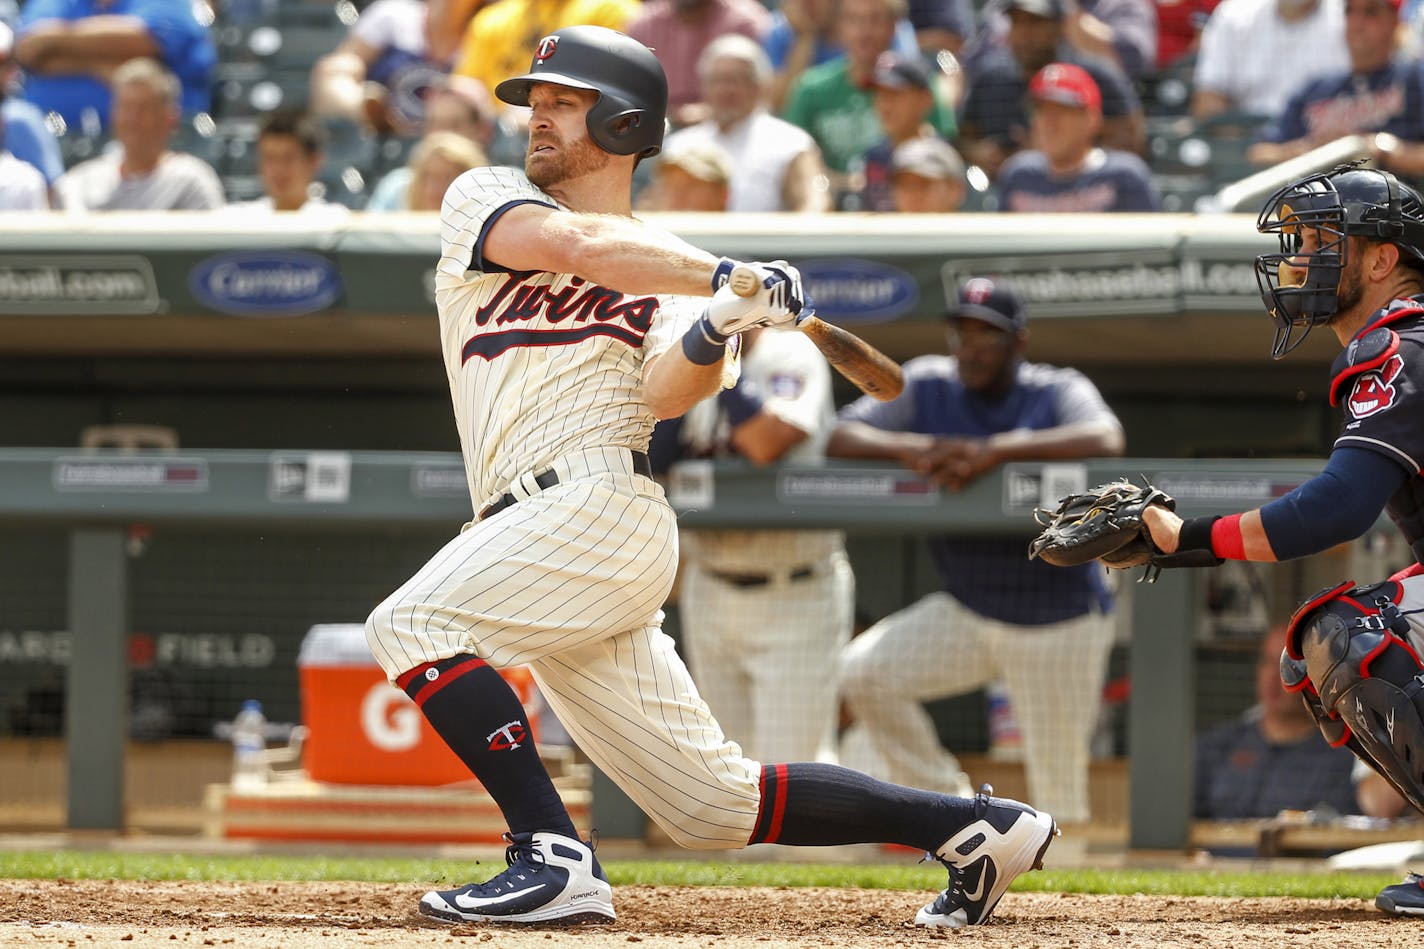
[(777, 302)]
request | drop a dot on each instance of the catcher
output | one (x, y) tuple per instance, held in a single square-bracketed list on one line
[(1351, 257)]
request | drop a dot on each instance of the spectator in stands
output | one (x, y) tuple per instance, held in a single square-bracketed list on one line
[(679, 31), (926, 177), (380, 74), (833, 101), (999, 614), (291, 147), (904, 101), (22, 187), (70, 49), (1123, 32), (1272, 758), (499, 42), (778, 166), (993, 123), (806, 33), (1179, 27), (1381, 92), (693, 175), (457, 104), (141, 173), (1066, 172), (941, 25), (27, 136), (435, 162), (1256, 54), (445, 22)]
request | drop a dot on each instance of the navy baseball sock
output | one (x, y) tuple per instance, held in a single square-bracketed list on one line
[(470, 705), (808, 805)]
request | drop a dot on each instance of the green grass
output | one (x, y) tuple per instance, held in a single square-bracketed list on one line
[(79, 865)]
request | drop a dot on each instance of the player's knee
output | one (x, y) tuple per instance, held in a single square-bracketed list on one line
[(863, 676)]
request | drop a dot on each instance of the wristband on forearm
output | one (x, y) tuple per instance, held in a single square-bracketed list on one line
[(723, 273), (703, 345), (1194, 545), (740, 403)]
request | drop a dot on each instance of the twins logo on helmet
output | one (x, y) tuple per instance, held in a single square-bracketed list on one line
[(546, 48)]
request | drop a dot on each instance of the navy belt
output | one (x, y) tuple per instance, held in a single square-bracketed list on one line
[(548, 478), (749, 580)]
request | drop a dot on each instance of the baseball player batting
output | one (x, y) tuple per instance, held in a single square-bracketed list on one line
[(568, 327)]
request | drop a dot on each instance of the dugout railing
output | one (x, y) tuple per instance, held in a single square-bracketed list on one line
[(106, 504)]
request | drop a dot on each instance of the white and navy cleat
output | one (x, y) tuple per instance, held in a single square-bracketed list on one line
[(1006, 839), (550, 879)]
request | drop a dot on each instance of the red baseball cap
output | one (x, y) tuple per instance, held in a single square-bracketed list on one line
[(1066, 84)]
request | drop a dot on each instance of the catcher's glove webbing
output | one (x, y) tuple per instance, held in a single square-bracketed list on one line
[(1106, 524)]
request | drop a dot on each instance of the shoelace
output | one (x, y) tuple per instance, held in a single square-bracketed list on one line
[(523, 850)]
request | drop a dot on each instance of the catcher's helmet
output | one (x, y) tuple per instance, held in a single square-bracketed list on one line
[(631, 111), (1348, 201)]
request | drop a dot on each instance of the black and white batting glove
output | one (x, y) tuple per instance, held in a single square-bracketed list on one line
[(777, 302)]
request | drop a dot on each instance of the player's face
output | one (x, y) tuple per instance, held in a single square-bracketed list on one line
[(1369, 33), (559, 146), (985, 354)]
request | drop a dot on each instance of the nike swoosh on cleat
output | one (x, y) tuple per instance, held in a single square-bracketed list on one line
[(469, 902)]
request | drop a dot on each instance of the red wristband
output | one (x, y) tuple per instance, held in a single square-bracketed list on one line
[(1226, 539)]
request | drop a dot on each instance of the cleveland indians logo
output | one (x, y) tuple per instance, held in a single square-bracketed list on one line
[(1374, 392), (546, 48), (507, 737)]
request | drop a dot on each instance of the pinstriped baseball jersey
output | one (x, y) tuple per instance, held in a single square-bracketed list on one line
[(539, 364), (545, 373)]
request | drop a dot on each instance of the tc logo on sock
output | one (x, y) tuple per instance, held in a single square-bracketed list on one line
[(507, 737)]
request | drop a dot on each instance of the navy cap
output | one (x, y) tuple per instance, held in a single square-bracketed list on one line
[(894, 71), (984, 299)]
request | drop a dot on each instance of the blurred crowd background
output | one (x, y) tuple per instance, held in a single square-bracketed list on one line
[(802, 105)]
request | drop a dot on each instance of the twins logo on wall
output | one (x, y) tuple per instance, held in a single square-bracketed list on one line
[(1374, 391)]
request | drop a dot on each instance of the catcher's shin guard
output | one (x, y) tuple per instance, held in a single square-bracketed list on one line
[(1347, 657)]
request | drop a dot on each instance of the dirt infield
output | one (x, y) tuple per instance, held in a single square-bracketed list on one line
[(301, 915)]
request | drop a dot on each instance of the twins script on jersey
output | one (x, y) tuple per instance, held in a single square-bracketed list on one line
[(540, 364)]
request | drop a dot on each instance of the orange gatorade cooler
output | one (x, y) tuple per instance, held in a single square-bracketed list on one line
[(362, 729)]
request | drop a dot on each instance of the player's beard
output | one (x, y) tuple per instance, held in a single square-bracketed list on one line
[(1350, 290), (573, 160)]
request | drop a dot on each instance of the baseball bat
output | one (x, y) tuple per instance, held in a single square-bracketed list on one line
[(873, 372)]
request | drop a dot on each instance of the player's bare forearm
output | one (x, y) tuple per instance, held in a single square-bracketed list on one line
[(859, 440), (764, 438), (612, 251), (1083, 440), (672, 383), (91, 45)]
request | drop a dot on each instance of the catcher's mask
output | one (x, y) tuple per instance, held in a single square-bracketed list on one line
[(1313, 218), (630, 115)]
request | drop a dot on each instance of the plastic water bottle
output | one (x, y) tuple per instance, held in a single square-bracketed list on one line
[(249, 745)]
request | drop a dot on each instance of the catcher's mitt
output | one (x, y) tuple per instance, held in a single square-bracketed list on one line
[(1102, 524)]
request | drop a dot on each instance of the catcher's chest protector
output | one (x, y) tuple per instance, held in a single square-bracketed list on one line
[(1362, 680)]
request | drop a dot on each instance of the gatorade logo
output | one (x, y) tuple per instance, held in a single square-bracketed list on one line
[(389, 719)]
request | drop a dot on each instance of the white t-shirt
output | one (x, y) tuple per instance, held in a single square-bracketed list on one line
[(315, 207), (180, 182), (794, 382), (540, 364), (1259, 60), (761, 147), (22, 186)]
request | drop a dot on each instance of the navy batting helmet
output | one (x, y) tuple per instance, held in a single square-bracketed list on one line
[(631, 111), (1349, 201)]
